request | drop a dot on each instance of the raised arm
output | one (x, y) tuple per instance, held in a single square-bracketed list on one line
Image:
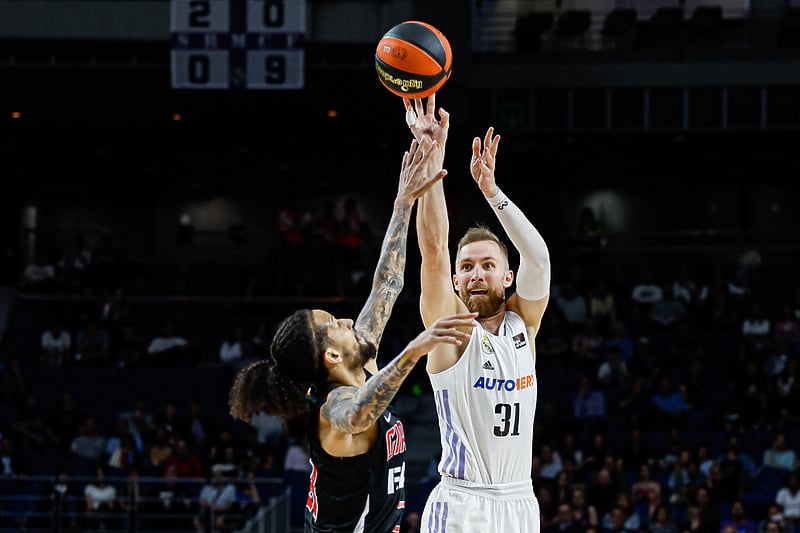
[(533, 277), (438, 297), (387, 282)]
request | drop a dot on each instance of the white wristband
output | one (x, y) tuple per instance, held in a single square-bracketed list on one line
[(498, 201)]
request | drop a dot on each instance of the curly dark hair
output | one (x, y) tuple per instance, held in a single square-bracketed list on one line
[(278, 386)]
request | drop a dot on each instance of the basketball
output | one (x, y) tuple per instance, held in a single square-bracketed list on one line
[(413, 59)]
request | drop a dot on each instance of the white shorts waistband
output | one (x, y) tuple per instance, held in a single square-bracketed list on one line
[(505, 491)]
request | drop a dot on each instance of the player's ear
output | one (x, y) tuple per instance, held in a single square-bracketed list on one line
[(332, 356), (455, 282), (508, 279)]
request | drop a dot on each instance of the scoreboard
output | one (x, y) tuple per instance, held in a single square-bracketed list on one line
[(237, 44)]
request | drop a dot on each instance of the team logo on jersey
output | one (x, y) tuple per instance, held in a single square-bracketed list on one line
[(395, 440), (486, 345), (519, 341), (488, 365)]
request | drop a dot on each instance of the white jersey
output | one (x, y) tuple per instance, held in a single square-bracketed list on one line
[(486, 404)]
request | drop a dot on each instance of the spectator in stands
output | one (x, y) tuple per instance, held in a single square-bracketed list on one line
[(130, 348), (125, 457), (613, 372), (269, 429), (587, 346), (788, 497), (75, 263), (778, 455), (121, 432), (621, 516), (171, 421), (710, 516), (777, 360), (668, 404), (634, 453), (602, 492), (259, 343), (92, 343), (692, 522), (140, 419), (201, 427), (101, 499), (66, 422), (564, 521), (589, 407), (602, 306), (661, 521), (618, 336), (583, 511), (183, 463), (572, 306), (90, 444), (594, 455), (232, 349), (32, 429), (168, 348), (157, 453), (55, 345), (739, 519), (644, 486), (773, 521), (551, 464), (679, 478), (12, 463), (787, 328), (787, 394), (215, 502)]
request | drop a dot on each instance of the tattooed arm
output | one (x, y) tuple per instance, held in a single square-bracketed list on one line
[(416, 177), (353, 409)]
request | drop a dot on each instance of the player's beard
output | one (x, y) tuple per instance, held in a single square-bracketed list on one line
[(366, 351), (485, 305)]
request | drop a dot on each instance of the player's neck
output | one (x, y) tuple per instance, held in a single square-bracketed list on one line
[(491, 323)]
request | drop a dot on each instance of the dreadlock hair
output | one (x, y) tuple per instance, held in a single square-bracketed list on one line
[(279, 386), (481, 232)]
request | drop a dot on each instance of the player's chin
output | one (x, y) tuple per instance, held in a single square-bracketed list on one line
[(369, 350)]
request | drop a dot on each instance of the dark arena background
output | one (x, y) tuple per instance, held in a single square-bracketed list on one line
[(163, 206)]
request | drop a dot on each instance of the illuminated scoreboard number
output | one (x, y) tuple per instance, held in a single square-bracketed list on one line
[(223, 44)]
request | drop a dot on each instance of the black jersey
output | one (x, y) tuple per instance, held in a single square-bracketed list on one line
[(361, 493)]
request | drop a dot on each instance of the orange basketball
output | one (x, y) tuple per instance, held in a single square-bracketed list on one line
[(413, 59)]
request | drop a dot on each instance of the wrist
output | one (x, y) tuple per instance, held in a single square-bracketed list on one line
[(497, 199)]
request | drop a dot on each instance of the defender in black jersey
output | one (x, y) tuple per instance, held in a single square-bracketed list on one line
[(365, 492), (357, 446)]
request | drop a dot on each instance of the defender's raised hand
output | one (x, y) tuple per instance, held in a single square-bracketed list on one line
[(416, 176)]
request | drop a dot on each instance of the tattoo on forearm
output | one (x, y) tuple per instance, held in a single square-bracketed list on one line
[(388, 280), (352, 410)]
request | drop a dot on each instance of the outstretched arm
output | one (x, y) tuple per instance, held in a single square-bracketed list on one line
[(438, 297), (352, 410), (533, 276), (387, 282)]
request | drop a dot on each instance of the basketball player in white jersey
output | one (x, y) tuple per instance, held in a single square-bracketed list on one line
[(485, 390)]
